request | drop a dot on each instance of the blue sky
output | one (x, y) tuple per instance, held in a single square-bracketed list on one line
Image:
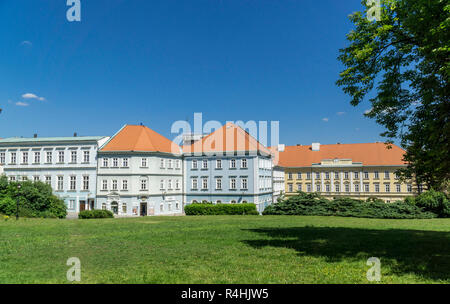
[(156, 62)]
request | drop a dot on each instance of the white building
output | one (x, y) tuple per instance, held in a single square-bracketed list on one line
[(68, 164), (140, 172), (278, 175)]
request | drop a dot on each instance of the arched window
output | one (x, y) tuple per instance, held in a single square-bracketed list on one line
[(219, 202), (194, 202), (233, 202), (244, 202)]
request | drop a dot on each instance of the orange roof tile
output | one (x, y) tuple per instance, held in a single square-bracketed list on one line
[(229, 138), (142, 139), (369, 154)]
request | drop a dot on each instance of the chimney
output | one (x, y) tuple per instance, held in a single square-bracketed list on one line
[(75, 134), (315, 146), (35, 135)]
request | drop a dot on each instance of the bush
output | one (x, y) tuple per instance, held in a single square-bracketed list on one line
[(97, 213), (7, 206), (314, 204), (221, 209), (433, 201)]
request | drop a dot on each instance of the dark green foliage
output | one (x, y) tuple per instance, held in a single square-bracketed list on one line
[(221, 209), (313, 204), (435, 202), (400, 63), (92, 214), (35, 200)]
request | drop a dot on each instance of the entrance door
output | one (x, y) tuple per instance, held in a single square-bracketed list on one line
[(115, 207), (143, 209), (91, 205), (82, 205)]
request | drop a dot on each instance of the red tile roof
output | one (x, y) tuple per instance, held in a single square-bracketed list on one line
[(142, 139), (229, 138), (369, 154)]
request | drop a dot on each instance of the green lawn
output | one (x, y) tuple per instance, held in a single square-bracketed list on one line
[(225, 249)]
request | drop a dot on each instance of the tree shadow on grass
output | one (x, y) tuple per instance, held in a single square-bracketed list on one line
[(423, 253)]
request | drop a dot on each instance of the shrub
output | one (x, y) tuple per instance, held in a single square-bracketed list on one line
[(433, 201), (314, 204), (96, 213), (221, 209), (7, 206)]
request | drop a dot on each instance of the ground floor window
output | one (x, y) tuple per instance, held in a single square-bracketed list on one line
[(124, 208), (103, 206), (161, 207)]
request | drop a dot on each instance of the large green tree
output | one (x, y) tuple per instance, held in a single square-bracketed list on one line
[(400, 62)]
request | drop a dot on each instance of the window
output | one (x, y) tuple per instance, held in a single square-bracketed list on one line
[(161, 207), (60, 183), (125, 185), (72, 204), (73, 156), (36, 178), (194, 164), (399, 188), (161, 184), (233, 183), (327, 175), (86, 156), (233, 164), (356, 175), (218, 164), (347, 188), (219, 202), (375, 175), (218, 183), (125, 162), (124, 208), (115, 162), (377, 187), (49, 157), (366, 187), (144, 162), (143, 184), (2, 157), (25, 157), (233, 202), (12, 178), (345, 175), (169, 206), (299, 175), (177, 165), (205, 183), (194, 184), (73, 183), (177, 206), (169, 184), (161, 163), (387, 188), (308, 187), (37, 157), (244, 183), (205, 164), (289, 175), (308, 175), (103, 206), (105, 185), (337, 188), (409, 187), (244, 163), (105, 162), (114, 185), (318, 187), (366, 175), (177, 184), (61, 156), (356, 187), (396, 175), (13, 157), (299, 187), (336, 175), (328, 187), (317, 175), (386, 175), (169, 165), (86, 182), (48, 180)]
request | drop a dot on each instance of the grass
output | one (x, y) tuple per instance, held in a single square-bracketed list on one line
[(225, 249)]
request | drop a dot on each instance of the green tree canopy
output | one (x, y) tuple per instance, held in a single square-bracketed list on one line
[(402, 61)]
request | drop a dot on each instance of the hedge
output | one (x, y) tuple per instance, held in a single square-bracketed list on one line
[(97, 213), (314, 204), (221, 209)]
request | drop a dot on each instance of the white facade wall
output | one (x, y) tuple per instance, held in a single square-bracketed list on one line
[(163, 191)]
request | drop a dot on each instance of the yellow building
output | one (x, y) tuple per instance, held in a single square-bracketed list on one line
[(348, 170)]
